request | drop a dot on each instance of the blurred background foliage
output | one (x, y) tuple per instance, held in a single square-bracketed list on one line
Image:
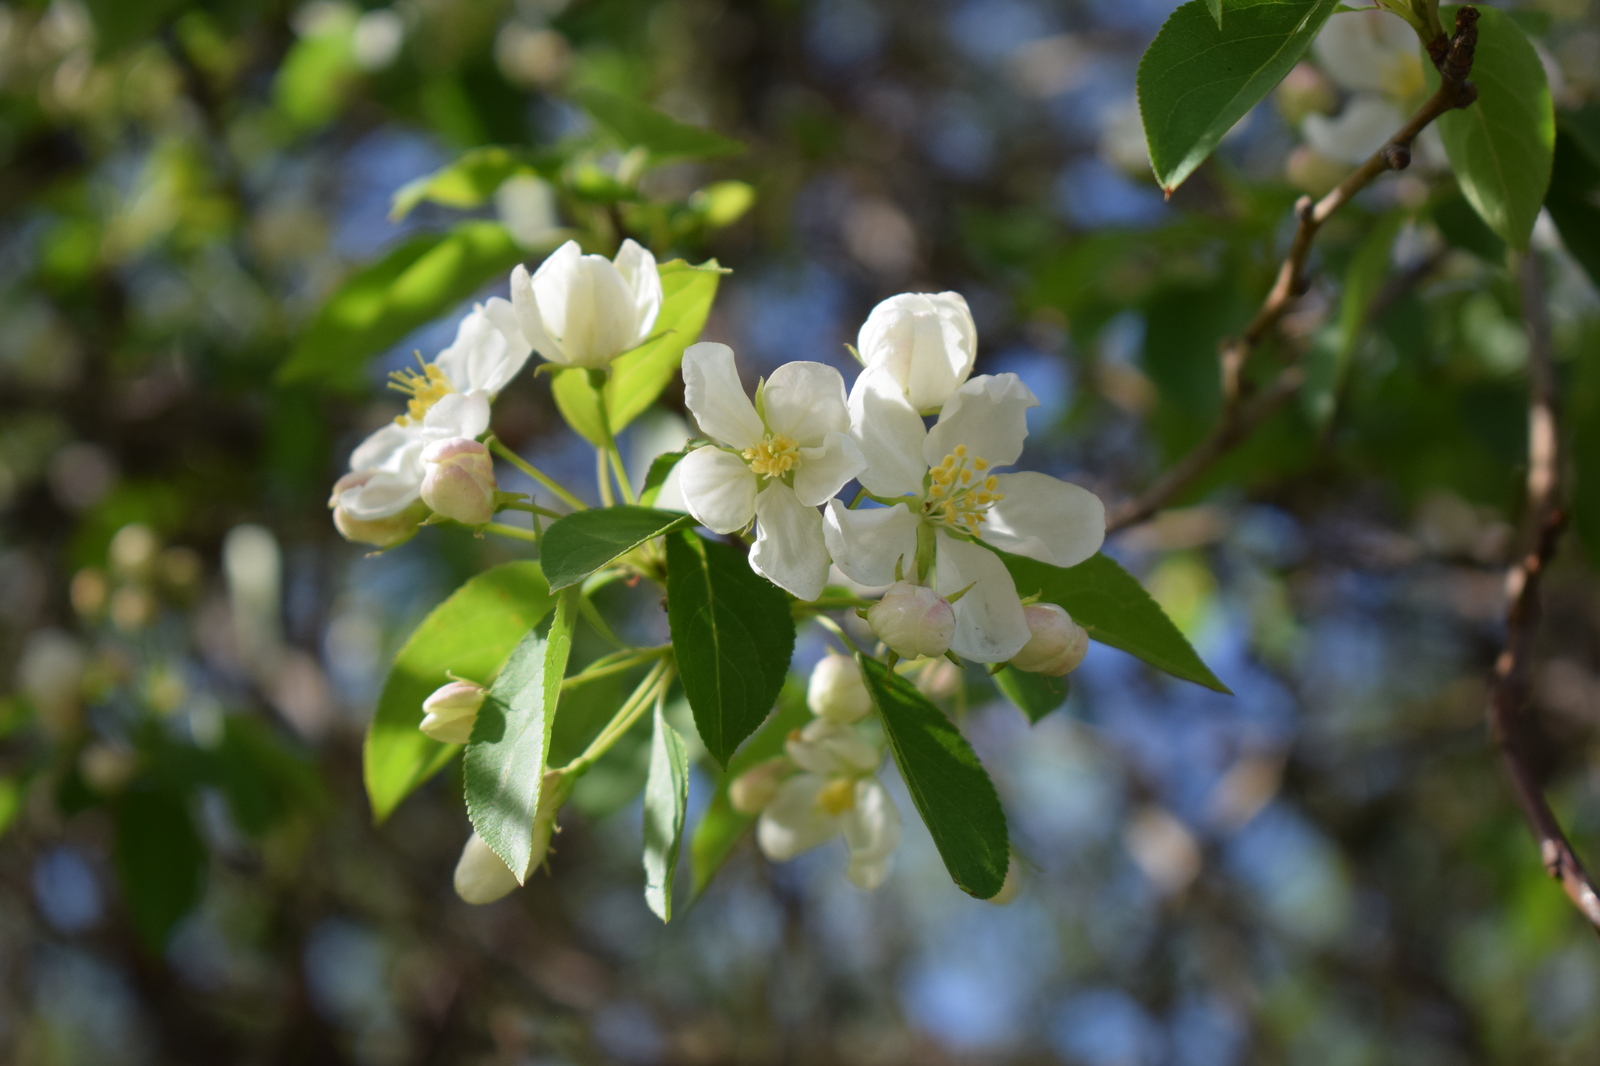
[(1324, 869)]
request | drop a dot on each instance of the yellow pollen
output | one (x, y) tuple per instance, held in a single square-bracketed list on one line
[(837, 796), (959, 453), (956, 497), (990, 482), (980, 464), (775, 456), (425, 387)]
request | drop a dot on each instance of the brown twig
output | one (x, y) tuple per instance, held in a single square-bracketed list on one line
[(1240, 413), (1543, 522)]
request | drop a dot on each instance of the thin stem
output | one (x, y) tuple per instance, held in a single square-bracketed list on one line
[(622, 476), (1543, 521), (611, 443), (829, 603), (615, 663), (534, 472), (1241, 412), (602, 475), (654, 685), (837, 630), (530, 508), (514, 532), (586, 608)]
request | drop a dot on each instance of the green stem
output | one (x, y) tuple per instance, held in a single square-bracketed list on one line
[(602, 476), (531, 509), (587, 609), (653, 686), (538, 475), (598, 384), (837, 630), (615, 663), (829, 603), (513, 532)]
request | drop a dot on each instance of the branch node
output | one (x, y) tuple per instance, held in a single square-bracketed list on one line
[(1303, 208), (1398, 156)]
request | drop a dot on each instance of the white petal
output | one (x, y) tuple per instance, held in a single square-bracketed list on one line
[(718, 488), (927, 341), (385, 493), (383, 447), (872, 829), (1365, 125), (457, 415), (1369, 50), (600, 315), (1047, 519), (638, 269), (824, 471), (825, 747), (713, 394), (481, 875), (987, 415), (990, 626), (488, 350), (789, 550), (541, 300), (793, 821), (890, 434), (866, 543), (805, 402)]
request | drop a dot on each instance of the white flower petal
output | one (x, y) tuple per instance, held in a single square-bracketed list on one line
[(789, 550), (456, 415), (826, 747), (481, 875), (824, 471), (890, 434), (488, 350), (872, 829), (927, 341), (987, 414), (638, 270), (383, 494), (1364, 126), (718, 488), (805, 402), (793, 821), (384, 447), (541, 301), (530, 319), (990, 625), (713, 394), (1047, 519), (1369, 50), (600, 318), (866, 543)]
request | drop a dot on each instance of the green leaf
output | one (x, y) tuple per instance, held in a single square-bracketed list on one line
[(381, 303), (1198, 78), (316, 74), (638, 377), (10, 802), (160, 861), (1111, 604), (584, 541), (660, 467), (1574, 199), (1035, 695), (1215, 7), (733, 637), (950, 787), (469, 634), (720, 827), (1501, 146), (264, 780), (505, 761), (468, 182), (635, 124), (722, 203), (1363, 279), (666, 797)]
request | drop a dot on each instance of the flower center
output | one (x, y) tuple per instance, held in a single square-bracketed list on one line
[(960, 493), (837, 796), (426, 387), (775, 456)]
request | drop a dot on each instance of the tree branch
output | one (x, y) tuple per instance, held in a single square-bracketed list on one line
[(1241, 413), (1543, 522)]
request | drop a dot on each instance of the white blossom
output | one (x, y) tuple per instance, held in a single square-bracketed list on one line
[(1371, 51), (836, 791), (585, 310), (927, 342), (952, 497), (773, 464)]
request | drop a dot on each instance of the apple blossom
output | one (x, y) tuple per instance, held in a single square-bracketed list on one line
[(942, 497), (459, 482), (927, 342), (774, 461), (451, 710), (384, 532), (753, 790), (836, 690), (913, 620), (585, 310), (1056, 644)]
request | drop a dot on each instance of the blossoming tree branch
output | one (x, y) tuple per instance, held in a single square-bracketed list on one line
[(886, 512)]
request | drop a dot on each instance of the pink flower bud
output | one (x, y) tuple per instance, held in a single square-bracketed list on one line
[(379, 532), (460, 481), (836, 691), (449, 713), (752, 790), (1056, 645), (913, 620)]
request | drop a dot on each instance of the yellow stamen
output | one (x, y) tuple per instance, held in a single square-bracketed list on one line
[(956, 497), (425, 387), (960, 452), (837, 796), (980, 464), (775, 456)]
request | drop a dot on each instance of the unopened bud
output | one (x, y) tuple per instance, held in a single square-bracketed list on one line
[(481, 875), (1012, 886), (752, 790), (938, 679), (913, 620), (449, 713), (379, 532), (837, 692), (1056, 644), (460, 480)]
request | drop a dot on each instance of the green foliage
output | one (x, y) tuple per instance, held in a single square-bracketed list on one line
[(950, 787), (581, 543), (1200, 77), (733, 637), (469, 634), (311, 84), (1111, 604), (1035, 695), (1501, 147), (467, 182), (10, 802), (504, 767), (656, 476), (638, 377), (1574, 195), (160, 861), (634, 124), (264, 780), (379, 304), (666, 795), (1328, 363)]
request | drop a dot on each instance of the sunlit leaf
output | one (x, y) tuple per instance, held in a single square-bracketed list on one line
[(656, 476), (666, 795), (584, 541), (469, 181), (635, 124)]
